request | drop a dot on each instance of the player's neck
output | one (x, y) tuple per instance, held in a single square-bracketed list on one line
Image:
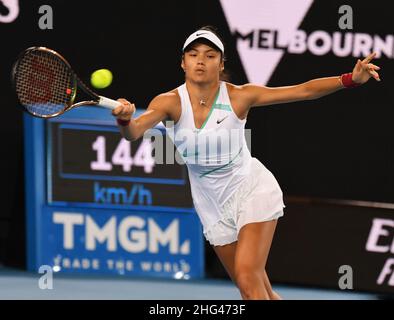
[(202, 94)]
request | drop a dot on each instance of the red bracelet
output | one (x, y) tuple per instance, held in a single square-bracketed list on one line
[(123, 123), (347, 81)]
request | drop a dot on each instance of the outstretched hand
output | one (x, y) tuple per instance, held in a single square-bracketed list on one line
[(124, 111), (364, 70)]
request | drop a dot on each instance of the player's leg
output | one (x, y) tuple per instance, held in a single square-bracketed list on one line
[(273, 294), (254, 243), (226, 255)]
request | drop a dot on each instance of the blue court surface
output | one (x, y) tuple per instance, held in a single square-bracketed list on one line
[(21, 285)]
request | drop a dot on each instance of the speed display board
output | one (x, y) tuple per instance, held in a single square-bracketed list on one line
[(92, 165), (97, 203)]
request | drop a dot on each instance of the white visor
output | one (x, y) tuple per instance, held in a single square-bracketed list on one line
[(206, 35)]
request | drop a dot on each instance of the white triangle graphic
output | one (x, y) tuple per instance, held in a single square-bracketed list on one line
[(252, 15), (185, 248)]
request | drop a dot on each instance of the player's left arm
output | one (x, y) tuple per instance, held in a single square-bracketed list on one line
[(256, 95)]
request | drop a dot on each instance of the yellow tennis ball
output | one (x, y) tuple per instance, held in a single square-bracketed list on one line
[(101, 79)]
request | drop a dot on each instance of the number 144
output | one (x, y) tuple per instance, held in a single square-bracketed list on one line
[(122, 156)]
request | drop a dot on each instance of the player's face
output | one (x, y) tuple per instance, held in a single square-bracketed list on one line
[(202, 64)]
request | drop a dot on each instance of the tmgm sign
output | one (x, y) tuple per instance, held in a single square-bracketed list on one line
[(163, 244)]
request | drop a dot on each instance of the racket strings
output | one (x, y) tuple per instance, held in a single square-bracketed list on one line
[(44, 83)]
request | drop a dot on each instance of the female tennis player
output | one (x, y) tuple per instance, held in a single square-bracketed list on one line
[(237, 198)]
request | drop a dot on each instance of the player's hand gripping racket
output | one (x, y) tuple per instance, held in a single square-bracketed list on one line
[(46, 85)]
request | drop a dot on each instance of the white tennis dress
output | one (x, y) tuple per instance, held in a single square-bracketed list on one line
[(229, 187)]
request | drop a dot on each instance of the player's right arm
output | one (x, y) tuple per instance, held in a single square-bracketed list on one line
[(158, 110)]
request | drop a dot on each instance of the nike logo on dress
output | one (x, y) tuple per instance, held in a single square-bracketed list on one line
[(219, 121)]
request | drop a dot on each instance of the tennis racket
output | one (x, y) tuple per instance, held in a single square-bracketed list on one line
[(46, 85)]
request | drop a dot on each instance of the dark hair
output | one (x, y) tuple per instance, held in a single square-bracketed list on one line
[(224, 75)]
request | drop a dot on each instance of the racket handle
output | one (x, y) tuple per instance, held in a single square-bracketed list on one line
[(108, 103)]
